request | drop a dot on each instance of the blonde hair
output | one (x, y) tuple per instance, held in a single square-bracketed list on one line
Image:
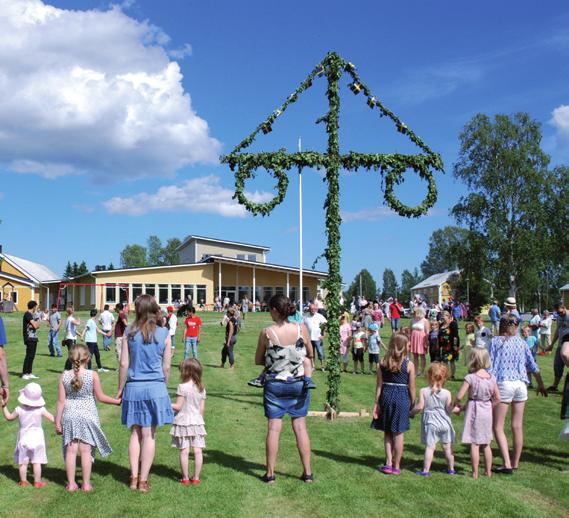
[(469, 328), (191, 369), (435, 323), (79, 356), (437, 374), (478, 359), (419, 312), (396, 352)]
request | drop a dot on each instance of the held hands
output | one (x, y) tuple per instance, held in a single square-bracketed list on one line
[(58, 429), (456, 410), (541, 390)]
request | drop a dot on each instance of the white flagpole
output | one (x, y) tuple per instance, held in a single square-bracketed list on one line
[(300, 224)]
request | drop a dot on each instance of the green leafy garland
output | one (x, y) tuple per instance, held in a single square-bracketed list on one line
[(391, 166)]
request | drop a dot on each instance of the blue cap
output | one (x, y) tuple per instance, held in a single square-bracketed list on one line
[(373, 327)]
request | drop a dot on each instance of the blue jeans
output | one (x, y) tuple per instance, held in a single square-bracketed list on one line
[(107, 342), (394, 324), (191, 342), (53, 342), (319, 347), (172, 341)]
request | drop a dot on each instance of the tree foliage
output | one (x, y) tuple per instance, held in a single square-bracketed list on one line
[(408, 280), (390, 287), (153, 251), (368, 286), (445, 245), (133, 256), (169, 253), (509, 200)]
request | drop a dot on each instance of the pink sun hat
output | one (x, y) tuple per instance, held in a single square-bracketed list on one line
[(31, 395)]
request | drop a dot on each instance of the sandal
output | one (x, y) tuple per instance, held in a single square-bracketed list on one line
[(185, 481), (39, 485), (133, 483), (71, 488), (423, 473), (195, 481), (502, 470), (143, 486), (307, 478), (387, 470), (450, 472), (268, 480), (23, 483), (86, 488)]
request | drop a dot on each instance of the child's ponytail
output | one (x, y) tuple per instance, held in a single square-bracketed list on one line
[(78, 356)]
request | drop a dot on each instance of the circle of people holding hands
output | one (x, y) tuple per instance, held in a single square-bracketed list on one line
[(500, 361)]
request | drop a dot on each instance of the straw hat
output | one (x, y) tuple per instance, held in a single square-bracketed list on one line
[(510, 302), (31, 395)]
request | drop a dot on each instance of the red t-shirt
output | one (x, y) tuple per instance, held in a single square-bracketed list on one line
[(193, 325), (395, 310)]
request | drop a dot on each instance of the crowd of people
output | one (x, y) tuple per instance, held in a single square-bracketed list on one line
[(501, 363)]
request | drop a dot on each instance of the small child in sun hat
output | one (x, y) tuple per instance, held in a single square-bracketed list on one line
[(30, 447)]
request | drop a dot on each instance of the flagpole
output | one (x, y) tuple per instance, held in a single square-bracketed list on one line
[(300, 225)]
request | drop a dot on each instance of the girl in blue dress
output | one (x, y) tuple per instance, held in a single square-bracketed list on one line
[(394, 398), (143, 375)]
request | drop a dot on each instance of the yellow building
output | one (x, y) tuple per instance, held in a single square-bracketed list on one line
[(565, 295), (436, 288), (22, 280), (210, 268)]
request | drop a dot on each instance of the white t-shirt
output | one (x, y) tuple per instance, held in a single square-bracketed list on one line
[(312, 322), (482, 337), (545, 326), (70, 328), (173, 323), (107, 320)]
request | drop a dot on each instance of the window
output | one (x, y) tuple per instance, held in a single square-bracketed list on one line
[(123, 294), (244, 291), (176, 293), (163, 294), (92, 296), (267, 293), (150, 289), (279, 291), (201, 294), (111, 294), (257, 293), (13, 296), (82, 295), (293, 293), (251, 257), (243, 257), (305, 294), (136, 291), (189, 293)]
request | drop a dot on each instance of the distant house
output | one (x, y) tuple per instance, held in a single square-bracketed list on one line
[(198, 248), (22, 280), (565, 294), (435, 288)]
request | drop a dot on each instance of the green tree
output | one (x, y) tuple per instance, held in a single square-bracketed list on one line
[(504, 169), (133, 256), (68, 272), (82, 268), (367, 283), (444, 246), (153, 251), (408, 280), (74, 269), (169, 253), (111, 266), (390, 287)]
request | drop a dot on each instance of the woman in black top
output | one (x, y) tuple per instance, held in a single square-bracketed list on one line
[(449, 342), (230, 339)]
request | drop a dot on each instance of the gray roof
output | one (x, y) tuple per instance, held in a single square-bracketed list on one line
[(435, 280), (36, 271), (564, 288), (187, 239)]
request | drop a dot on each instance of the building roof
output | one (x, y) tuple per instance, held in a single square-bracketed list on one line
[(211, 259), (435, 280), (221, 241), (16, 278), (564, 288), (268, 266), (35, 271)]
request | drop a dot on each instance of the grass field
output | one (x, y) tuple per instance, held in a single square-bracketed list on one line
[(345, 454)]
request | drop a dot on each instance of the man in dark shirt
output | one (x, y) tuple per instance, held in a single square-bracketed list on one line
[(561, 336), (30, 325)]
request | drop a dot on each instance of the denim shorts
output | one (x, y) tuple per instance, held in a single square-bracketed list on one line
[(284, 397)]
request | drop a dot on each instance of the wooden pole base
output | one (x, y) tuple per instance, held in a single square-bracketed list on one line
[(330, 414)]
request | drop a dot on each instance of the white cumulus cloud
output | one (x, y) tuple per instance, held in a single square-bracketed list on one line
[(93, 92), (560, 119), (203, 195)]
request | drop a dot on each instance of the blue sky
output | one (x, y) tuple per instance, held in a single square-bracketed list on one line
[(112, 118)]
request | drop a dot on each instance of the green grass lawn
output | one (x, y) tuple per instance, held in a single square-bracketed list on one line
[(345, 453)]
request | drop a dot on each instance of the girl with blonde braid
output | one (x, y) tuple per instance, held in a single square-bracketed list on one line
[(77, 419)]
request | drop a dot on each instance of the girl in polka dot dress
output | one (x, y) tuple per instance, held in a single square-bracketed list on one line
[(77, 419)]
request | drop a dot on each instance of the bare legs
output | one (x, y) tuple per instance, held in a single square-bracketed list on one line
[(184, 462), (429, 453), (141, 449), (475, 459), (302, 442), (421, 362), (393, 449), (500, 412), (84, 451), (452, 365), (518, 430), (70, 463), (23, 469)]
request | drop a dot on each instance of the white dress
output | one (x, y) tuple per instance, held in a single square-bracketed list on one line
[(188, 430)]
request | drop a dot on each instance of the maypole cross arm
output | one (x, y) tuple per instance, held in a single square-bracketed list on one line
[(278, 163)]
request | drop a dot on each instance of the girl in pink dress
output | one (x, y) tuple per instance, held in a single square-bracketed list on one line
[(345, 337), (420, 328), (483, 394), (30, 447)]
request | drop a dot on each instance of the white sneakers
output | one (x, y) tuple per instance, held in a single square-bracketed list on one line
[(29, 377), (103, 370)]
